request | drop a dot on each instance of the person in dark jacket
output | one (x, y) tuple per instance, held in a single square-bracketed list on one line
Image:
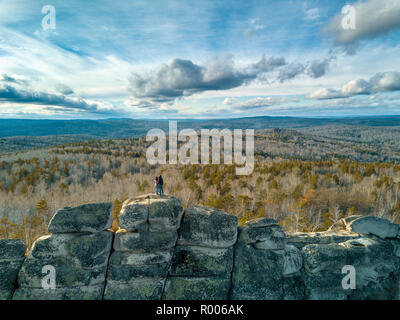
[(160, 185)]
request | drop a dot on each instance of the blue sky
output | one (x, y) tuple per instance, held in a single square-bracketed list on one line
[(198, 59)]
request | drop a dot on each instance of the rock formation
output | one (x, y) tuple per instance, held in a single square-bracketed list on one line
[(164, 252)]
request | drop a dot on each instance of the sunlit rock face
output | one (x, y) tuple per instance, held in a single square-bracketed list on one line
[(78, 249), (164, 252)]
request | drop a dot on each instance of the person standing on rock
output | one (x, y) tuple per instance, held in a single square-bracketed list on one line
[(160, 185), (157, 184)]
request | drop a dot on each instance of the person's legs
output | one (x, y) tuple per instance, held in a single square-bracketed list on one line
[(157, 189), (161, 190)]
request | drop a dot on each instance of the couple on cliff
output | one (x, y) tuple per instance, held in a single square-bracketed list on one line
[(159, 182)]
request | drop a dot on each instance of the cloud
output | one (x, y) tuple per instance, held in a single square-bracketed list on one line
[(312, 14), (260, 102), (387, 81), (290, 72), (323, 94), (381, 82), (228, 101), (267, 65), (14, 79), (11, 93), (64, 89), (374, 18), (180, 78), (317, 69), (356, 87), (314, 69)]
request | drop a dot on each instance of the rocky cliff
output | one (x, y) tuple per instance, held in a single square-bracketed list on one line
[(163, 252)]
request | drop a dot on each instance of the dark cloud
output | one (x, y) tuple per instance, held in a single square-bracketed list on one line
[(290, 71), (12, 79), (12, 93), (179, 78), (267, 65), (64, 89), (314, 69), (317, 69), (374, 18)]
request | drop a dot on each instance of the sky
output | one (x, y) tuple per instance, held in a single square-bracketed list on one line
[(98, 59)]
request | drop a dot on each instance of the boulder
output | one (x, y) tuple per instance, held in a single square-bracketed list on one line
[(79, 260), (12, 253), (301, 239), (144, 241), (257, 274), (135, 289), (265, 238), (293, 287), (192, 288), (207, 227), (165, 214), (375, 265), (139, 265), (322, 272), (261, 222), (78, 293), (324, 285), (134, 215), (293, 260), (377, 268), (151, 213), (11, 249), (201, 261), (92, 217), (125, 266), (373, 225), (324, 257)]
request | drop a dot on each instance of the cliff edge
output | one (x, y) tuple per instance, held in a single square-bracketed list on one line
[(164, 252)]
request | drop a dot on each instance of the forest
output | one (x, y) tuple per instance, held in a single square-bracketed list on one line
[(307, 179)]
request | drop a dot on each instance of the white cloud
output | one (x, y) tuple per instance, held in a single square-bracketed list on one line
[(312, 14), (323, 94), (381, 82), (228, 101), (260, 102), (373, 19)]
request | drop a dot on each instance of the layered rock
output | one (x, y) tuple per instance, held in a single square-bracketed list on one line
[(143, 248), (375, 265), (355, 242), (259, 261), (161, 253), (203, 259), (77, 252), (12, 253)]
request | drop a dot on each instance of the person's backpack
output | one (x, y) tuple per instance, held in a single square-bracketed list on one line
[(160, 180)]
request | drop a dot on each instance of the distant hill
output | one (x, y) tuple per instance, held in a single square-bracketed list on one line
[(124, 128)]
